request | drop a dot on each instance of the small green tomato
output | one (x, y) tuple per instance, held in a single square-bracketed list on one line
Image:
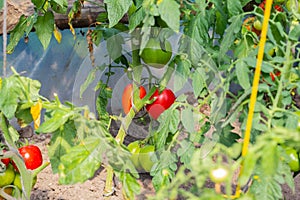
[(219, 174)]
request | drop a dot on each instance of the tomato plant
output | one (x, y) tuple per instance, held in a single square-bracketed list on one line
[(162, 101), (127, 97), (215, 45)]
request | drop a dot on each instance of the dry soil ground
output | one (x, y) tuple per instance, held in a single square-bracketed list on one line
[(47, 186)]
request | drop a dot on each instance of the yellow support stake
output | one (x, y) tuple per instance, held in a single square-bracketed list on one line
[(256, 81)]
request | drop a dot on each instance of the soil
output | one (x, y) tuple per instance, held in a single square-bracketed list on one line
[(47, 186)]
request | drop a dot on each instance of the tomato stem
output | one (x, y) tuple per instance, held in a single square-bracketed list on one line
[(218, 188), (109, 181)]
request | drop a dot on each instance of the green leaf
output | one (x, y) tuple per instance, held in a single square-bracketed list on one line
[(58, 119), (9, 98), (61, 141), (24, 26), (242, 73), (39, 3), (24, 116), (198, 30), (44, 27), (167, 159), (199, 81), (291, 122), (169, 121), (170, 13), (182, 72), (295, 32), (114, 46), (17, 89), (234, 7), (81, 161), (105, 93), (90, 78), (116, 10), (130, 185), (186, 152), (227, 137), (269, 162), (13, 133), (136, 18), (230, 34), (187, 119), (249, 161), (221, 22), (59, 6)]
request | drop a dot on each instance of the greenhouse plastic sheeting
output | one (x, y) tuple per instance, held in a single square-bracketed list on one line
[(63, 67)]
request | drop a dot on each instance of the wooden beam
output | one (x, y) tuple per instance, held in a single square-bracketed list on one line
[(16, 8)]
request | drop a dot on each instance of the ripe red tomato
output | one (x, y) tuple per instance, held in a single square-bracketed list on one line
[(276, 6), (273, 75), (5, 161), (127, 97), (162, 101), (32, 156)]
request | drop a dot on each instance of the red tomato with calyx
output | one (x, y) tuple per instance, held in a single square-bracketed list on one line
[(273, 75), (127, 97), (276, 6), (5, 161), (162, 101), (32, 156)]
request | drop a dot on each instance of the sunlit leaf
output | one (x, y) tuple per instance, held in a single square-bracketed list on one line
[(242, 72), (187, 120), (171, 18), (61, 142), (169, 121), (57, 34), (116, 10), (232, 29), (59, 6), (44, 27), (35, 111)]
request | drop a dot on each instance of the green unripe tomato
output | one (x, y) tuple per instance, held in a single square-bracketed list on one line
[(134, 149), (18, 184), (154, 55), (294, 159), (257, 25), (8, 176), (219, 174), (145, 157)]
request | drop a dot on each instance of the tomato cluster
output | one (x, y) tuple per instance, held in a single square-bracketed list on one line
[(32, 157), (141, 155), (161, 101)]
